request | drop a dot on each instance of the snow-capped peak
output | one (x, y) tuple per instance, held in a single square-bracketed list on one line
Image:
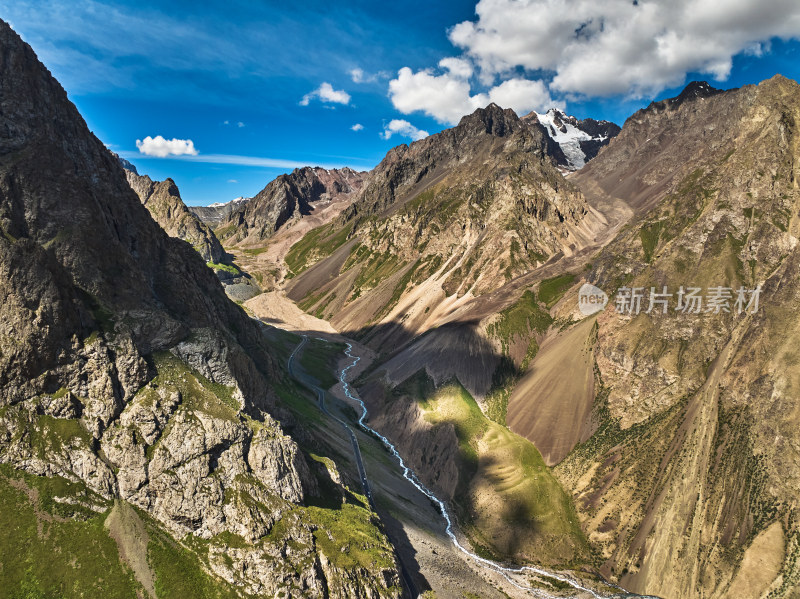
[(238, 200), (566, 135), (579, 140)]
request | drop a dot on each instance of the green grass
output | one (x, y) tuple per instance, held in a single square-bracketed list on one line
[(649, 235), (551, 290), (520, 320), (197, 391), (255, 251), (179, 573), (316, 244), (224, 267), (348, 537), (319, 360), (526, 494), (453, 404), (44, 556)]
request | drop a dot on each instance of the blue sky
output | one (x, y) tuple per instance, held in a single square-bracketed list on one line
[(248, 90)]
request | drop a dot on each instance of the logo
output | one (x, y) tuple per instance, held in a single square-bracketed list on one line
[(591, 299)]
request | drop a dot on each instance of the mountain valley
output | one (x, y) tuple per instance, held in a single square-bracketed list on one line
[(182, 387)]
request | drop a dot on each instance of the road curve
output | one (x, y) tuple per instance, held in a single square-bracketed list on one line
[(362, 473)]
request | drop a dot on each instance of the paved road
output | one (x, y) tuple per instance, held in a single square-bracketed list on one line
[(362, 473)]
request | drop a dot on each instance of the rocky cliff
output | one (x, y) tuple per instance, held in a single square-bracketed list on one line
[(216, 214), (459, 214), (163, 200), (287, 197), (127, 375)]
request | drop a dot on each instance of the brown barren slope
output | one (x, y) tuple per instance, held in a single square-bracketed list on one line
[(552, 404)]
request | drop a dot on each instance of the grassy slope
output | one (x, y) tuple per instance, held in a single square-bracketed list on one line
[(320, 359), (512, 503), (50, 549), (517, 325)]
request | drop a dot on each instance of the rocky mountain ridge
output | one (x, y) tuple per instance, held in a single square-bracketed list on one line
[(128, 376), (163, 200), (217, 213), (289, 196), (462, 211)]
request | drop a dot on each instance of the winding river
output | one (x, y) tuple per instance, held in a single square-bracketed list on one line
[(507, 572)]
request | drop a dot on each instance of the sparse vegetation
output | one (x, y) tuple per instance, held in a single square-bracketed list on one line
[(315, 245), (319, 360), (520, 320), (224, 267), (551, 290)]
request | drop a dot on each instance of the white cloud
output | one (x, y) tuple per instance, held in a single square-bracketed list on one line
[(161, 148), (226, 122), (523, 96), (444, 97), (448, 97), (359, 76), (326, 93), (457, 67), (240, 124), (404, 128), (610, 47), (233, 180), (357, 127)]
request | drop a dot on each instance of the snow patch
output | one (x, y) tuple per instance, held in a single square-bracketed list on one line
[(568, 136)]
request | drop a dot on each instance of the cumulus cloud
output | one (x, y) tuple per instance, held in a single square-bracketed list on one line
[(459, 68), (326, 93), (445, 97), (609, 47), (523, 96), (404, 128), (357, 127), (160, 147), (448, 96)]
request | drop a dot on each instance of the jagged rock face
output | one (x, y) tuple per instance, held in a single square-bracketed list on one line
[(124, 366), (574, 142), (163, 200), (289, 196), (126, 164), (706, 402), (471, 208), (216, 214)]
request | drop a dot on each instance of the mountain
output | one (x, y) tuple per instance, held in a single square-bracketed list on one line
[(578, 140), (451, 218), (457, 214), (135, 395), (217, 213), (163, 200), (291, 196), (696, 420), (674, 435)]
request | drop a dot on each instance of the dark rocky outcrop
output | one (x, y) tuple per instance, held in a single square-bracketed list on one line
[(289, 196), (163, 200), (125, 369)]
